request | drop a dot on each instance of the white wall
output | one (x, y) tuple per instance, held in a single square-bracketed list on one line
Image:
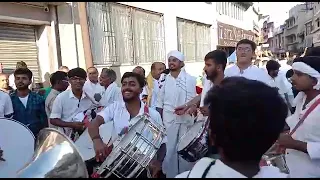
[(195, 11)]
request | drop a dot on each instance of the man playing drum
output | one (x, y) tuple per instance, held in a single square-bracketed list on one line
[(246, 118), (303, 141), (215, 63), (123, 113), (178, 88)]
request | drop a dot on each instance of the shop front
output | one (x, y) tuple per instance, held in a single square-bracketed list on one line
[(228, 37)]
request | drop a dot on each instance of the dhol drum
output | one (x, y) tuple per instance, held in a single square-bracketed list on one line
[(278, 161), (133, 152), (85, 145), (17, 143), (193, 145)]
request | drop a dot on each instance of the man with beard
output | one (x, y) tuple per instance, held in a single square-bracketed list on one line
[(178, 88), (92, 86), (215, 64), (70, 103), (303, 141), (112, 92), (28, 106), (4, 83), (245, 50), (154, 83), (124, 115)]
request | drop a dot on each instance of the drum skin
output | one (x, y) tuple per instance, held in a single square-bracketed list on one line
[(17, 143)]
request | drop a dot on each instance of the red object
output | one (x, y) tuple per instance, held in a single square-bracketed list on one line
[(198, 89)]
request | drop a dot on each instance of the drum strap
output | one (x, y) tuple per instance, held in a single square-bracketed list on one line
[(146, 110), (206, 171)]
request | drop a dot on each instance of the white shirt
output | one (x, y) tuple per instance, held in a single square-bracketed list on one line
[(278, 82), (220, 170), (207, 85), (301, 164), (111, 95), (24, 100), (93, 88), (66, 106), (155, 92), (118, 113), (5, 104), (144, 92), (252, 72)]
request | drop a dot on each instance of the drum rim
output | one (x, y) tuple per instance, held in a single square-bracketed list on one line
[(10, 119), (195, 139)]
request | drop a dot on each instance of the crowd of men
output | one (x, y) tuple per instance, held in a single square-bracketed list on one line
[(250, 109)]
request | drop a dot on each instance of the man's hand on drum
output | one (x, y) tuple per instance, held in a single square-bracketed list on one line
[(102, 150), (156, 167), (1, 154)]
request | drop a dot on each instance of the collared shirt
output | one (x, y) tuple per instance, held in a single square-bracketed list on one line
[(279, 83), (144, 92), (6, 108), (155, 92), (305, 165), (50, 99), (118, 113), (93, 88), (66, 106), (252, 72), (33, 115), (220, 170)]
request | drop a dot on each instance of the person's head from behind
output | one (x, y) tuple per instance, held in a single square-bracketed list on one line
[(156, 69), (131, 86), (77, 78), (4, 81), (273, 67), (246, 118), (215, 63), (107, 76), (63, 69), (21, 64), (22, 78), (175, 60), (245, 50), (93, 74), (59, 81), (306, 73), (139, 70), (313, 51)]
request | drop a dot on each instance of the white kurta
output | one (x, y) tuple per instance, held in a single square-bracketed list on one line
[(93, 88), (220, 170), (110, 95), (252, 72), (302, 165), (173, 93), (5, 104)]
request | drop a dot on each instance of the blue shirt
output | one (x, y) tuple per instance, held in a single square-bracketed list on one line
[(34, 115)]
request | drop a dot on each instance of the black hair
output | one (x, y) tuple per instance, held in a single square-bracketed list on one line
[(313, 51), (247, 41), (23, 71), (57, 76), (77, 72), (218, 56), (289, 73), (166, 71), (141, 80), (246, 117), (139, 67), (153, 65), (272, 65)]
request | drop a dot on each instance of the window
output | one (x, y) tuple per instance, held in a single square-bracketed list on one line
[(124, 35), (194, 39)]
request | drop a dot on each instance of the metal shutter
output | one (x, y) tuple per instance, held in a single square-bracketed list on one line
[(18, 43)]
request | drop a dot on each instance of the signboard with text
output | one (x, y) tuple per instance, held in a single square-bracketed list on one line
[(229, 35)]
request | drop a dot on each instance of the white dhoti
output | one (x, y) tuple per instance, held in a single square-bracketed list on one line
[(173, 164)]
